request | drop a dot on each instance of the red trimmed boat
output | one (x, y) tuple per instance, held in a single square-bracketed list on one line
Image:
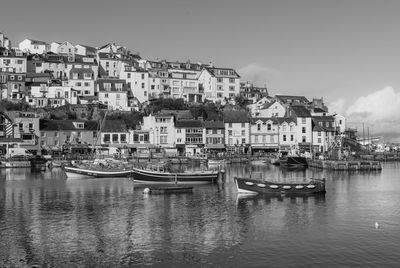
[(187, 177), (252, 186)]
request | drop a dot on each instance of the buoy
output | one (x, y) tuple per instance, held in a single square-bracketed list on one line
[(146, 190), (376, 225)]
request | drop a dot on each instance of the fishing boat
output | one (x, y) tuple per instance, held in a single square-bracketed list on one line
[(185, 177), (293, 162), (254, 186), (107, 168)]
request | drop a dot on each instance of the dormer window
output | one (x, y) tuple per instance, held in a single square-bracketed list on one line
[(79, 125)]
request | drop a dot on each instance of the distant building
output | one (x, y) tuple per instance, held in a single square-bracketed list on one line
[(113, 93), (219, 83), (85, 50), (251, 92), (34, 46), (4, 41), (237, 131), (26, 128)]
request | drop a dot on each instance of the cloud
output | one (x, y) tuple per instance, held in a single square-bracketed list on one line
[(379, 111), (258, 74)]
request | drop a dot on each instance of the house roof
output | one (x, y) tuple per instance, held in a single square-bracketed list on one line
[(213, 72), (213, 124), (57, 125), (114, 126), (319, 110), (37, 42), (275, 120), (236, 117), (287, 99), (93, 49), (300, 111), (188, 123)]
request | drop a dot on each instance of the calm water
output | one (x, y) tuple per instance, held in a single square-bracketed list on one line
[(49, 221)]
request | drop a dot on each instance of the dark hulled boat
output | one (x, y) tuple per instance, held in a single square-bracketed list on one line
[(252, 186), (293, 162), (90, 172), (187, 177)]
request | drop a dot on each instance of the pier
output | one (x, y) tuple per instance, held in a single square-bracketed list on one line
[(345, 165)]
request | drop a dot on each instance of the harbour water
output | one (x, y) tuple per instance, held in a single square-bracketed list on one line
[(48, 221)]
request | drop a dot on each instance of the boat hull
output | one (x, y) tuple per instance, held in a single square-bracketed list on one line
[(251, 186), (293, 162), (145, 176), (81, 173)]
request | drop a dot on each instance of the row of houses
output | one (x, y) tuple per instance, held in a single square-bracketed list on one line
[(53, 74), (177, 132)]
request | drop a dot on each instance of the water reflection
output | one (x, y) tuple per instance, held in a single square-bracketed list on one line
[(50, 221)]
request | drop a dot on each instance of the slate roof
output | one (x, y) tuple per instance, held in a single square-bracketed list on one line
[(289, 99), (236, 117), (300, 111), (275, 120), (213, 70), (37, 42), (188, 123), (58, 125), (114, 126), (213, 124)]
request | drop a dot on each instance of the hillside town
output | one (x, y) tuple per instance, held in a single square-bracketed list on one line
[(94, 83)]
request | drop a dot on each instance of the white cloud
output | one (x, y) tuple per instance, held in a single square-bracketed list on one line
[(257, 74), (379, 111)]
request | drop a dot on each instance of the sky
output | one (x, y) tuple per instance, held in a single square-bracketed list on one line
[(346, 51)]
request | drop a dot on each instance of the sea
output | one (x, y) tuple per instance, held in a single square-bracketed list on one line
[(47, 220)]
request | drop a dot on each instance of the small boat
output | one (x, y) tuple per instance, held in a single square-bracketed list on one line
[(186, 177), (168, 190), (252, 186), (293, 162)]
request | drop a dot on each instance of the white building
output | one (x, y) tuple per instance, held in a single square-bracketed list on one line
[(219, 83), (51, 96), (54, 47), (162, 130), (85, 50), (33, 46), (185, 85), (13, 61), (237, 131), (82, 80), (113, 93), (274, 109), (137, 80)]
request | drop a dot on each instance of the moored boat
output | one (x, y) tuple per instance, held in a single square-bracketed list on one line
[(82, 172), (252, 186), (186, 177), (293, 162)]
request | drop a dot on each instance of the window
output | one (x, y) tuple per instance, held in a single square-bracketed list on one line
[(95, 134), (118, 86), (256, 138), (230, 125), (231, 80), (163, 130), (303, 120), (319, 133), (229, 132), (75, 76), (129, 75), (284, 137), (303, 139), (163, 139), (319, 140), (87, 75), (142, 85), (56, 134), (179, 131), (243, 141), (123, 138), (258, 127), (220, 80), (214, 131), (42, 134), (243, 125), (291, 138), (243, 132), (269, 126), (106, 138), (142, 76), (231, 88), (78, 84), (303, 130), (115, 138)]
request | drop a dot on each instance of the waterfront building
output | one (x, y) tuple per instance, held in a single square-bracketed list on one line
[(340, 122), (26, 128), (68, 49), (237, 131), (219, 83), (324, 132), (115, 136), (264, 134), (33, 46), (302, 116), (287, 133), (189, 137), (113, 93), (140, 143), (7, 134), (84, 50), (74, 135), (162, 130), (214, 136)]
